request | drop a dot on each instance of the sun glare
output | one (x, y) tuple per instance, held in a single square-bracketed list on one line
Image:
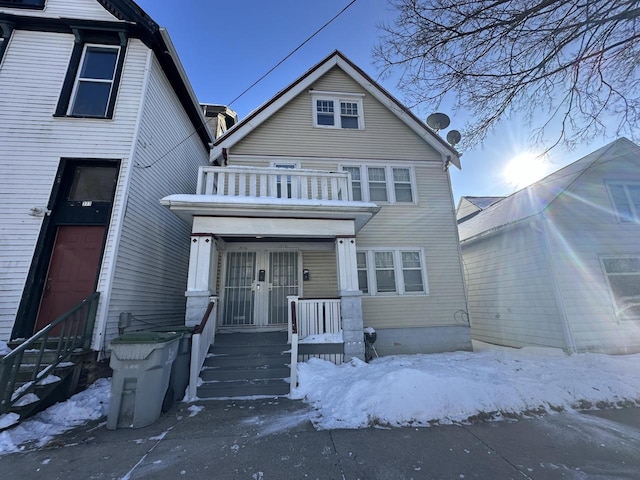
[(524, 169)]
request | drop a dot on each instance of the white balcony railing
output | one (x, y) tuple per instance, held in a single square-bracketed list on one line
[(274, 183)]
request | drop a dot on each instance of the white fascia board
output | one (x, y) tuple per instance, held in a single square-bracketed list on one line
[(401, 114), (267, 112)]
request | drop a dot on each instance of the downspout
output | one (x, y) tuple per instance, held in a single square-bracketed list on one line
[(546, 248)]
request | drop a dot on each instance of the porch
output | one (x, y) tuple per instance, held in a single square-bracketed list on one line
[(255, 232)]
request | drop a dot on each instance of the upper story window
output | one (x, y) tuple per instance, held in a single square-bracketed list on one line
[(31, 4), (337, 110), (626, 200), (91, 85), (94, 82), (5, 33), (623, 276), (382, 184)]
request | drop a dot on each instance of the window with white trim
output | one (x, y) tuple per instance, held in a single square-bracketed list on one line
[(336, 110), (391, 271), (626, 200), (94, 82), (623, 277), (382, 184)]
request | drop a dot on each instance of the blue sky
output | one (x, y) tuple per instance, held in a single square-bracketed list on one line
[(226, 46)]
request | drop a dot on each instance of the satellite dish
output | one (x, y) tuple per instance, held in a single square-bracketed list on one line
[(453, 137), (438, 121)]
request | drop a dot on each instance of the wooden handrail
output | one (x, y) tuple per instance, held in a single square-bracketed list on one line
[(203, 323)]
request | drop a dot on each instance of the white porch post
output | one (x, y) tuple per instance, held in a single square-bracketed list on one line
[(350, 297), (201, 278)]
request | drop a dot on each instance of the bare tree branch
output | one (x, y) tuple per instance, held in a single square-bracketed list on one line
[(576, 61)]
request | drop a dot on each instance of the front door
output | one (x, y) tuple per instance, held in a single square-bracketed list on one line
[(256, 286), (72, 271)]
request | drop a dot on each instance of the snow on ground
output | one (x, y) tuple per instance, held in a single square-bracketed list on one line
[(456, 387), (407, 390), (38, 430)]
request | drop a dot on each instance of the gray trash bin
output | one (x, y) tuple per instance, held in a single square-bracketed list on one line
[(180, 369), (141, 364)]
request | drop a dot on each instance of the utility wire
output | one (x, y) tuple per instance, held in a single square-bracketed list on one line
[(291, 53), (254, 83)]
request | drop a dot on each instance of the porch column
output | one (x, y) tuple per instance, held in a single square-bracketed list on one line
[(350, 297), (202, 276)]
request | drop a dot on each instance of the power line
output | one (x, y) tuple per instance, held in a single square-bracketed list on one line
[(291, 53), (254, 83)]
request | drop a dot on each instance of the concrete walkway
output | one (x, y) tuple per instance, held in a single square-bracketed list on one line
[(275, 439)]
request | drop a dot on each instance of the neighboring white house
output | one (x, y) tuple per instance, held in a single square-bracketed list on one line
[(558, 263), (97, 123), (335, 193)]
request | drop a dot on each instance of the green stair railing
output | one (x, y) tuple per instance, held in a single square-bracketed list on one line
[(70, 332)]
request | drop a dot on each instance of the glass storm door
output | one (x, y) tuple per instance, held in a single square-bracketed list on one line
[(256, 288)]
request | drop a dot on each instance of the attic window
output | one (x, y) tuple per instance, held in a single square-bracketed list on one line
[(337, 110), (31, 4), (626, 201)]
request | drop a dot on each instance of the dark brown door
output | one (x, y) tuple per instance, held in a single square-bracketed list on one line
[(72, 271)]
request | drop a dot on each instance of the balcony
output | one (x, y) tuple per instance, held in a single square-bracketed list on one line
[(274, 183), (286, 203)]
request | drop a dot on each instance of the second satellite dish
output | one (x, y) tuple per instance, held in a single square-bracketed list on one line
[(438, 121), (453, 137)]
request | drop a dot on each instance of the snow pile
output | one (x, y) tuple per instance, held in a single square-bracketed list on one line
[(455, 387), (4, 348), (36, 431), (323, 338)]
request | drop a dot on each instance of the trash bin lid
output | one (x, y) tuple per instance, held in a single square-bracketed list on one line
[(182, 329), (145, 337)]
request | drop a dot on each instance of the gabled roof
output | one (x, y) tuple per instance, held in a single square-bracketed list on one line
[(262, 113), (135, 23), (537, 197), (471, 206)]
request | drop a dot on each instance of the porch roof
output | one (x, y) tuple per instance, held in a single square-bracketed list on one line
[(188, 206)]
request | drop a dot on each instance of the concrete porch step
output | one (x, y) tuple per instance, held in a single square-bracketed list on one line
[(244, 388), (246, 364)]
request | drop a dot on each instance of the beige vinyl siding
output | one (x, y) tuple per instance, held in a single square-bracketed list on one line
[(32, 142), (153, 256), (85, 9), (290, 131), (322, 268), (582, 227), (510, 290)]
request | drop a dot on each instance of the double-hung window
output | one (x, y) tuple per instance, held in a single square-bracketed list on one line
[(382, 184), (626, 200), (5, 33), (623, 276), (337, 110), (27, 4), (391, 271), (91, 84), (94, 81)]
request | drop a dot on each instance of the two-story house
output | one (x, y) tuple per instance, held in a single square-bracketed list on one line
[(333, 193), (97, 123), (557, 264)]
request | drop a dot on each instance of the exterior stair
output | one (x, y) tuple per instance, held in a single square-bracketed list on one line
[(246, 364), (56, 387)]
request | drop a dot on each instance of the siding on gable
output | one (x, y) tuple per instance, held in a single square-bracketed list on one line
[(32, 142), (582, 227), (290, 131), (510, 291), (153, 256), (84, 9)]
